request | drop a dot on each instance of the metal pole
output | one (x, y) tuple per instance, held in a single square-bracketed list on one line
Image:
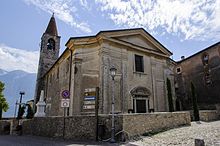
[(19, 108), (64, 123), (97, 113), (113, 114), (70, 76)]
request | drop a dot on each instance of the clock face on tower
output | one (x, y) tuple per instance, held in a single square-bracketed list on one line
[(51, 44)]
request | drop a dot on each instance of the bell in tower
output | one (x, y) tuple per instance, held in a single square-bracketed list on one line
[(49, 53)]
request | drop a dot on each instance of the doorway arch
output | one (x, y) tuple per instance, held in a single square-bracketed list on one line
[(140, 97)]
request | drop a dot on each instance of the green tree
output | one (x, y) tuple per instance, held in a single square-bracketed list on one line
[(169, 95), (30, 112), (3, 103), (195, 105)]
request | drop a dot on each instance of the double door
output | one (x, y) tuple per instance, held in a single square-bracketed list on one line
[(141, 105)]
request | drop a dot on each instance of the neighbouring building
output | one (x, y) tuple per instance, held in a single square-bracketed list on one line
[(203, 70), (49, 53), (143, 65)]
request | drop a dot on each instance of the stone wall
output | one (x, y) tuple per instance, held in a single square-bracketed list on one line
[(105, 125), (3, 124), (77, 127), (208, 115), (135, 124), (84, 127), (218, 109)]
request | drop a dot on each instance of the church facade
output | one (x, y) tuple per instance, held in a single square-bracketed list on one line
[(142, 64)]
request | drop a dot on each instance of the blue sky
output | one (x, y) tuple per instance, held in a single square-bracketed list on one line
[(183, 26)]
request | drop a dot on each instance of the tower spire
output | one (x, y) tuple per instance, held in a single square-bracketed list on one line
[(52, 27)]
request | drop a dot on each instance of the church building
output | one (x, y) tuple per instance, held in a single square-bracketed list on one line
[(143, 65), (203, 70)]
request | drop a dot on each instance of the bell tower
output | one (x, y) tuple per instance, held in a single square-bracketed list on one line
[(49, 53)]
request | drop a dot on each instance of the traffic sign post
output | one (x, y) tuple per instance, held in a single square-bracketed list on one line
[(65, 103)]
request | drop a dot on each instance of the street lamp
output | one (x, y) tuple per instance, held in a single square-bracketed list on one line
[(113, 73), (19, 108)]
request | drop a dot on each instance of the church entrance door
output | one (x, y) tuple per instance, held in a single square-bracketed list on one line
[(141, 105), (140, 99)]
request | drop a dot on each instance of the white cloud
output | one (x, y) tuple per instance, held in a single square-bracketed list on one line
[(192, 19), (63, 9), (85, 4), (17, 59)]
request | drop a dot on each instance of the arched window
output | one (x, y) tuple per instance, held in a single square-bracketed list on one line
[(51, 44), (205, 59)]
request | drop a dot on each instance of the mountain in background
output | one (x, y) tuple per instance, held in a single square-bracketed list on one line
[(3, 72), (16, 81)]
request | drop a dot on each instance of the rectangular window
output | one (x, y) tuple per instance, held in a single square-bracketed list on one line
[(178, 70), (139, 63)]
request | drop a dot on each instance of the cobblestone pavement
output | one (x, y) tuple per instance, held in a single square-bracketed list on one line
[(184, 136)]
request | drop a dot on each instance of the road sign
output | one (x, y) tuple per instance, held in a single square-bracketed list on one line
[(90, 90), (65, 94), (89, 107), (65, 103), (86, 102), (89, 98)]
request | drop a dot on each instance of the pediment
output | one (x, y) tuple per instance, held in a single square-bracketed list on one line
[(138, 38), (139, 41)]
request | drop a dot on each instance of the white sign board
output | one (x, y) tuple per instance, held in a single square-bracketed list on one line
[(89, 107), (65, 103), (90, 90), (89, 102)]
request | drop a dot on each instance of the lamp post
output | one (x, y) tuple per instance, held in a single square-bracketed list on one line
[(113, 73), (19, 108)]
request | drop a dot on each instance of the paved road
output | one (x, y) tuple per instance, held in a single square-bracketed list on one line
[(7, 140)]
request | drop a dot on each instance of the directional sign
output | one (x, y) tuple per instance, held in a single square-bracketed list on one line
[(90, 90), (89, 107), (89, 98), (89, 93), (86, 102), (65, 103), (65, 94)]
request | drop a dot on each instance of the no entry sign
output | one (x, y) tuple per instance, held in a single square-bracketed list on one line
[(65, 94)]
